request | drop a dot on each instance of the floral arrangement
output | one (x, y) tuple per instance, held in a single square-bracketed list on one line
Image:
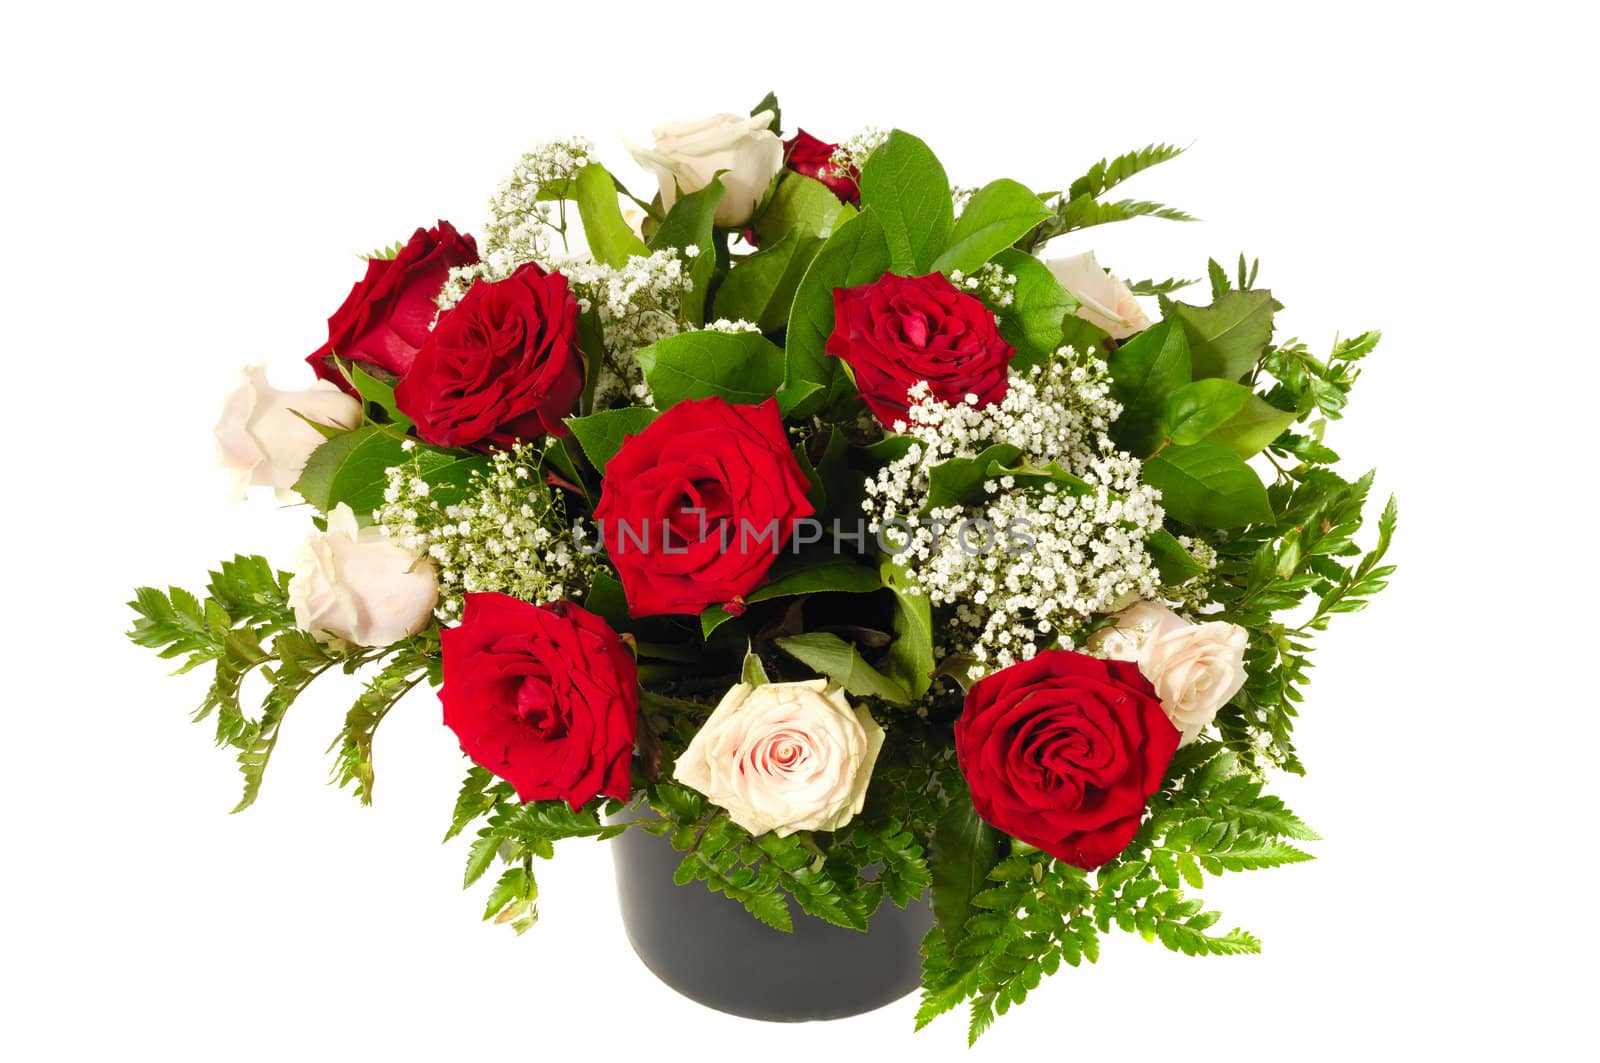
[(810, 514)]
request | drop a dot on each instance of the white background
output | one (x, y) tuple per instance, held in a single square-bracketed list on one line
[(186, 191)]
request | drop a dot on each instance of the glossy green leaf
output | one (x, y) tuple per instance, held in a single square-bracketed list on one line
[(801, 204), (1208, 485), (960, 480), (1039, 305), (1144, 372), (964, 851), (1193, 411), (1254, 427), (904, 183), (1176, 565), (998, 214), (761, 288), (602, 434), (856, 254), (910, 661), (829, 655), (1227, 337), (353, 468), (794, 575), (741, 367), (611, 241)]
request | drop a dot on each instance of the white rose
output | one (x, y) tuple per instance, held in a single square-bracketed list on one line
[(784, 757), (353, 584), (687, 155), (1195, 668), (1104, 300), (263, 438)]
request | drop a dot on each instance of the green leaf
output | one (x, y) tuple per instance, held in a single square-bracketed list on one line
[(374, 393), (910, 662), (1106, 175), (753, 672), (1256, 425), (858, 253), (1032, 323), (1176, 565), (1144, 372), (960, 480), (1193, 411), (769, 102), (906, 186), (818, 573), (353, 468), (1209, 486), (692, 223), (741, 367), (829, 655), (1227, 337), (997, 216), (762, 287), (801, 204), (601, 435), (963, 852), (611, 241)]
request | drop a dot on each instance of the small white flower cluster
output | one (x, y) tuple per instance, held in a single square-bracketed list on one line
[(988, 282), (508, 534), (1195, 592), (1051, 557), (855, 151), (518, 228), (638, 303), (722, 324), (960, 196)]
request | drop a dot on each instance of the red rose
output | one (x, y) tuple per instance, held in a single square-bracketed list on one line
[(897, 331), (1063, 751), (544, 696), (694, 509), (386, 316), (805, 154), (504, 365)]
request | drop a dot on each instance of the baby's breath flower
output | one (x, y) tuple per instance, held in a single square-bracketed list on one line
[(508, 533), (1058, 556)]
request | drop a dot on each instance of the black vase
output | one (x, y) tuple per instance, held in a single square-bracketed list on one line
[(711, 950)]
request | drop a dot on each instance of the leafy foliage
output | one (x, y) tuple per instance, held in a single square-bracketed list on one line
[(1037, 913), (1081, 206)]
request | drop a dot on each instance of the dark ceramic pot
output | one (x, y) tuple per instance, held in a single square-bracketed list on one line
[(711, 950)]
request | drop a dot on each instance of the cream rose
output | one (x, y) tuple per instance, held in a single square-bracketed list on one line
[(1195, 668), (687, 155), (263, 437), (351, 583), (784, 757), (1104, 300)]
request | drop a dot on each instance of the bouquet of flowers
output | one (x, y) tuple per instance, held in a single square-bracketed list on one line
[(809, 514)]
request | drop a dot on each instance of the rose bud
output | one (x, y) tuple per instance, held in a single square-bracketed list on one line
[(1103, 299), (263, 436), (387, 314), (687, 155), (1196, 669), (810, 157), (355, 585)]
